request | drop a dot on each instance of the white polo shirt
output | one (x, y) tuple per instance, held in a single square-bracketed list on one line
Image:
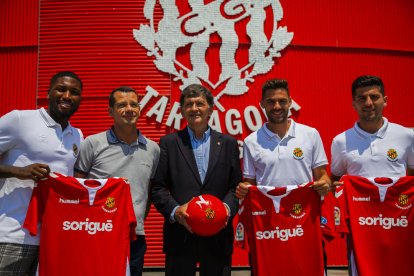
[(388, 152), (27, 137), (280, 162)]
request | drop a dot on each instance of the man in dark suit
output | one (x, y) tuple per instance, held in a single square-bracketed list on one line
[(196, 160)]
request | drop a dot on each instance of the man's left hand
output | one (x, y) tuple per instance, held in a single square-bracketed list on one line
[(323, 187)]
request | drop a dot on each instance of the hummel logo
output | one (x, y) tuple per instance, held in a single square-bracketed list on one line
[(69, 201), (259, 213), (361, 198)]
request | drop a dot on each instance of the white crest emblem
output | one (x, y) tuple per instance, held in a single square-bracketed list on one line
[(194, 30)]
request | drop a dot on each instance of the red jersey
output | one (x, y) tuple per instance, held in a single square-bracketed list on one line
[(378, 215), (86, 225), (283, 230)]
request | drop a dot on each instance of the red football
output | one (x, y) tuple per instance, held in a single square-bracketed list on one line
[(207, 215)]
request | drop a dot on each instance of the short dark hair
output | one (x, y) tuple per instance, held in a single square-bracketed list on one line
[(123, 89), (196, 90), (274, 84), (366, 81), (64, 74)]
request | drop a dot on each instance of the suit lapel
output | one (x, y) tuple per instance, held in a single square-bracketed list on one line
[(215, 148), (184, 144)]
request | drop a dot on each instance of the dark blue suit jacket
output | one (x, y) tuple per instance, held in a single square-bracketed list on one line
[(177, 181)]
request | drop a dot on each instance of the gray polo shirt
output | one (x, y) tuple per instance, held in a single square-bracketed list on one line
[(103, 156)]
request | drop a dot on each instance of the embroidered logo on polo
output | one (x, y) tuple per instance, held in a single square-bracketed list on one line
[(403, 202), (298, 153), (109, 205), (392, 155), (75, 150), (297, 211)]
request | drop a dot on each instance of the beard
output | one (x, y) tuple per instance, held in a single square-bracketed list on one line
[(57, 114), (279, 119)]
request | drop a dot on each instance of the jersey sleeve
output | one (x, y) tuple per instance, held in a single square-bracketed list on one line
[(327, 217), (8, 127), (242, 219), (131, 214), (341, 209), (36, 208)]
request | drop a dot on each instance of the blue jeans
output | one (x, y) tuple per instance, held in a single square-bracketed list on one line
[(137, 252)]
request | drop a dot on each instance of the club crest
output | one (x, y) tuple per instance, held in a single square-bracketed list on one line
[(392, 155), (210, 213), (193, 31), (298, 153), (297, 211), (403, 202)]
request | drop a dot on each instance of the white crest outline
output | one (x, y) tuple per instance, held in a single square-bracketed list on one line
[(206, 20)]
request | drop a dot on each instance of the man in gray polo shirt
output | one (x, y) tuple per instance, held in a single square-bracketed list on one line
[(122, 151)]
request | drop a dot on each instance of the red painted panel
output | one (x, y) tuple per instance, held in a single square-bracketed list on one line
[(19, 22), (370, 24), (94, 38), (18, 54), (17, 78), (334, 41)]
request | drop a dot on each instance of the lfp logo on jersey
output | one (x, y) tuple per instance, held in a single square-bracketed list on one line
[(199, 42)]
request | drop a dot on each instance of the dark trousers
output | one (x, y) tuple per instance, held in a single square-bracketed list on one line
[(211, 263), (137, 252)]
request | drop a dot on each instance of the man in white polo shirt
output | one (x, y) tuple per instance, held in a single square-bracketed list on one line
[(33, 143), (122, 151), (373, 147), (283, 152)]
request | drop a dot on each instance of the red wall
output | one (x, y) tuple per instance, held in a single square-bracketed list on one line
[(334, 41), (18, 54)]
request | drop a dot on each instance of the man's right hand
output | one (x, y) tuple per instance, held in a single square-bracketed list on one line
[(242, 190), (181, 216), (34, 171)]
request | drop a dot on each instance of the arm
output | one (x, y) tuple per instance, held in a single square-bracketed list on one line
[(79, 174), (235, 178), (34, 171), (160, 188), (156, 158), (322, 182), (148, 206), (410, 159), (249, 173), (85, 159), (10, 129)]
